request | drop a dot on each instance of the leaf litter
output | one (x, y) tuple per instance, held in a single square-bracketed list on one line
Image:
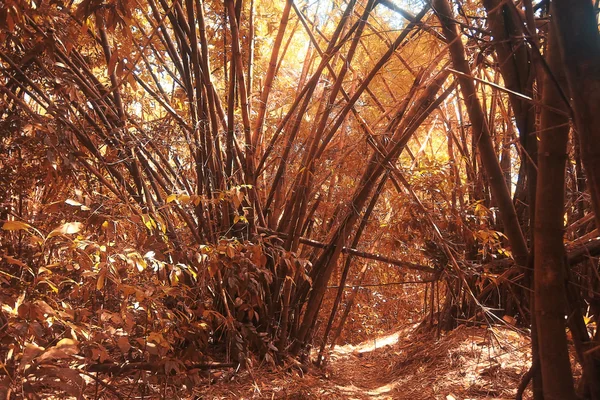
[(477, 362)]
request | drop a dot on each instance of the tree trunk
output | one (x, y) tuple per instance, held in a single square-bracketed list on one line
[(549, 267), (579, 40)]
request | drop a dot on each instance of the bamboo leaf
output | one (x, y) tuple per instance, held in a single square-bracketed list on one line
[(15, 226), (69, 228), (101, 279)]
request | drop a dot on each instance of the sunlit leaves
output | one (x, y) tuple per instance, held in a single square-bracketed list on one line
[(235, 195), (154, 221), (75, 203), (68, 228), (183, 198), (136, 260), (491, 243), (65, 348), (481, 210), (240, 218)]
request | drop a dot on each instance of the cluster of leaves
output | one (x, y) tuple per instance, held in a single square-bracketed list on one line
[(79, 299)]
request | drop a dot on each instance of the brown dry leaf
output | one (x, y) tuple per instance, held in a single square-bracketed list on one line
[(37, 329), (101, 279), (13, 261), (230, 251), (24, 310), (65, 348), (31, 351), (44, 307), (5, 384), (100, 353), (15, 226), (38, 310), (123, 344)]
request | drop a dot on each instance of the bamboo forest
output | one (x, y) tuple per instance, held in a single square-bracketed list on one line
[(300, 199)]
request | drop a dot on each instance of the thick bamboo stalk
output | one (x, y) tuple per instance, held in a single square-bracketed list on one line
[(549, 274), (481, 133)]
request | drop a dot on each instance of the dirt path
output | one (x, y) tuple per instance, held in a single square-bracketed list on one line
[(468, 363), (473, 363)]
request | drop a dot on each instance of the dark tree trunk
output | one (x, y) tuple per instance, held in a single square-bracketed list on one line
[(549, 267), (579, 41)]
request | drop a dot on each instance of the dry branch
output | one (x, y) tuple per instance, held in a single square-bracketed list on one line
[(355, 252)]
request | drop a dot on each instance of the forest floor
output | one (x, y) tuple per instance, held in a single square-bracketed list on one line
[(467, 363)]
